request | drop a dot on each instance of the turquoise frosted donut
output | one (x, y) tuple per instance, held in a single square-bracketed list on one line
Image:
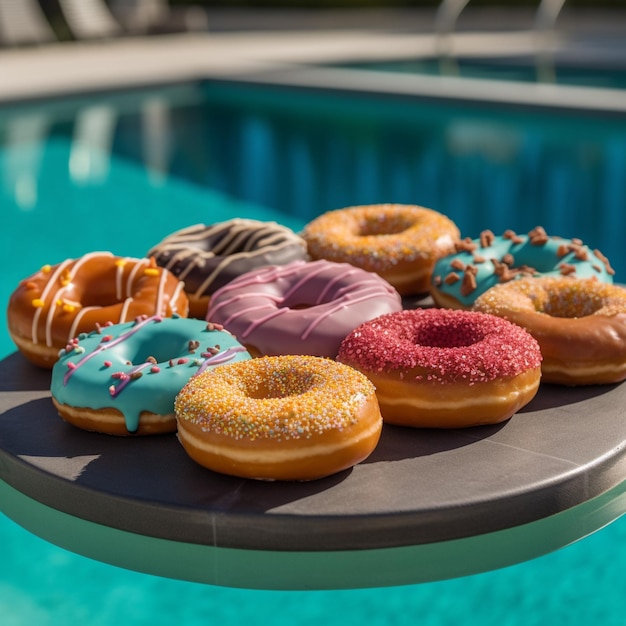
[(123, 378), (478, 264)]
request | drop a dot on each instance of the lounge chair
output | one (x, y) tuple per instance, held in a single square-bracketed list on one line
[(23, 22)]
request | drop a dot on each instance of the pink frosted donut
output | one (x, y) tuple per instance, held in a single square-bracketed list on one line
[(301, 308), (441, 368)]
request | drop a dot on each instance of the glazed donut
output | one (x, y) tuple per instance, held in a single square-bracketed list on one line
[(58, 302), (399, 242), (302, 307), (580, 325), (122, 379), (478, 264), (205, 258), (279, 418), (439, 368)]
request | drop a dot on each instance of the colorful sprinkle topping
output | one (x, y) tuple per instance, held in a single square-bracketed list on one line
[(281, 397)]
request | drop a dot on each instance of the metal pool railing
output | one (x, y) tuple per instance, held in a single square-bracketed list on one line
[(544, 29)]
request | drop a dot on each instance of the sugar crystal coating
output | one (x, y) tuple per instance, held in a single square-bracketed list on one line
[(558, 297), (377, 236), (442, 345)]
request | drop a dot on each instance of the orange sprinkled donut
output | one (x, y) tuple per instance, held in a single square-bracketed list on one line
[(580, 325), (441, 368), (399, 242), (279, 418), (58, 302)]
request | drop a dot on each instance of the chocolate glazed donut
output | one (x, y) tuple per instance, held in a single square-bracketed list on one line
[(207, 257)]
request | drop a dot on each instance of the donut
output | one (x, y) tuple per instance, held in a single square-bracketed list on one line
[(399, 242), (580, 325), (302, 307), (122, 379), (60, 301), (444, 368), (478, 264), (291, 417), (206, 258)]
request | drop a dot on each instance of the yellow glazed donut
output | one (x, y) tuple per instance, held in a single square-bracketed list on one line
[(580, 325), (279, 418), (399, 242)]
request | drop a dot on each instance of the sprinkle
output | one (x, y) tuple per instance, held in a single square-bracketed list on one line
[(193, 345), (106, 338), (605, 261), (150, 271), (451, 278), (486, 238), (38, 303), (278, 398), (46, 268), (537, 236), (155, 369), (107, 364), (469, 280)]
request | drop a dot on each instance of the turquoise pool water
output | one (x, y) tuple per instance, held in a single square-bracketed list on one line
[(119, 172), (518, 69)]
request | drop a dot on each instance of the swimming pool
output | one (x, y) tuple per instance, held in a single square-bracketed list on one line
[(524, 69), (119, 171)]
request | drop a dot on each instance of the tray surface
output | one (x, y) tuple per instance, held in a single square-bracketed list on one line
[(418, 487)]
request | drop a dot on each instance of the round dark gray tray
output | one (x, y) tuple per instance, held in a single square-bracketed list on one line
[(418, 487)]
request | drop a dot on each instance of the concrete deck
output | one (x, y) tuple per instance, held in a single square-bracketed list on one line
[(288, 50)]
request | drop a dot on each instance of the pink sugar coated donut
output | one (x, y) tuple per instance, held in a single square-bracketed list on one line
[(444, 345)]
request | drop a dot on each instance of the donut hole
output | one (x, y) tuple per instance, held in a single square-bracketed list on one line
[(376, 226), (101, 293), (100, 299), (295, 305), (448, 336), (281, 384), (167, 348), (571, 305)]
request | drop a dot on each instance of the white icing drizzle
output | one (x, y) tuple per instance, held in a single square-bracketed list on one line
[(241, 239), (123, 289), (58, 293)]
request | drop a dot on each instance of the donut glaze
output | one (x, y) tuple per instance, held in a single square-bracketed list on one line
[(580, 325), (58, 302), (122, 379), (279, 418), (441, 368), (478, 264), (302, 307), (399, 242), (208, 257)]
